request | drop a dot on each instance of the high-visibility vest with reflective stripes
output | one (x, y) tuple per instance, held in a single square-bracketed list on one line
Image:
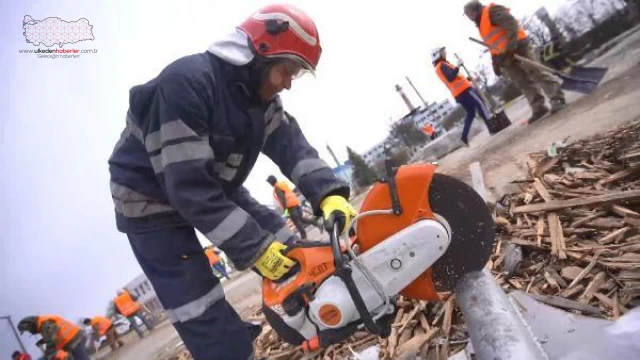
[(67, 330), (292, 199), (458, 85), (125, 304), (496, 36), (213, 257), (103, 324)]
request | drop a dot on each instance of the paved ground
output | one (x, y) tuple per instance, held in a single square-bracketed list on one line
[(502, 157)]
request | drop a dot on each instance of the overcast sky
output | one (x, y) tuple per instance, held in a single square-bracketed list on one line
[(61, 118)]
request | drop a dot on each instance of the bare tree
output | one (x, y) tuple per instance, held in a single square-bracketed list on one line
[(482, 74), (587, 11), (537, 31), (568, 26)]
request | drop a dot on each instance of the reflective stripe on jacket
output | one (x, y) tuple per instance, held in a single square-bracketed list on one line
[(495, 36), (192, 136)]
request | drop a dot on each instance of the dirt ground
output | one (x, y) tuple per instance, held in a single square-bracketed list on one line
[(502, 158)]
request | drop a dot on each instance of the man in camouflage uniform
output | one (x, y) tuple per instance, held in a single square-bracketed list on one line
[(62, 339), (527, 78)]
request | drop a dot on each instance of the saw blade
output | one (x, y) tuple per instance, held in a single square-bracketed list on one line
[(472, 230)]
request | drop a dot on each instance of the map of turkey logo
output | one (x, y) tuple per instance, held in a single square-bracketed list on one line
[(55, 31)]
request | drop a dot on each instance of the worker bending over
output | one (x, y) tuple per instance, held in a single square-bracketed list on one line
[(288, 201), (461, 89), (59, 336), (505, 37), (101, 326), (193, 134)]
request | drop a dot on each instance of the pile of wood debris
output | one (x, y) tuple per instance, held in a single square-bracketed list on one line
[(576, 223), (419, 329), (570, 238)]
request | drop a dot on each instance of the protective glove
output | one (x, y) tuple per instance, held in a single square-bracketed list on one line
[(337, 210), (459, 63), (272, 264)]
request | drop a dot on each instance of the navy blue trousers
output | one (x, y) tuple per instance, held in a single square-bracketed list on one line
[(191, 294), (472, 104)]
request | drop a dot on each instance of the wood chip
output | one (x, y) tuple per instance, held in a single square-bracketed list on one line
[(571, 272)]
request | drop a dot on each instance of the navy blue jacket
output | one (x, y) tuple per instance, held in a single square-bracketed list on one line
[(192, 136)]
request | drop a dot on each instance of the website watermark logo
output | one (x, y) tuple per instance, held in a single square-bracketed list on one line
[(55, 31)]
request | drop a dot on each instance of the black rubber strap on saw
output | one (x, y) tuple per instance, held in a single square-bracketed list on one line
[(344, 273)]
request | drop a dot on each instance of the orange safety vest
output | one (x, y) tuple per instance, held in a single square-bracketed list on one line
[(67, 330), (495, 36), (458, 85), (126, 305), (103, 324), (213, 257), (292, 199), (429, 129)]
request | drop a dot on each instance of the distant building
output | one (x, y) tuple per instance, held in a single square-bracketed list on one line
[(143, 290), (421, 117)]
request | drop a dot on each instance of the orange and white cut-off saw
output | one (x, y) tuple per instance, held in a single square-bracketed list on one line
[(418, 232)]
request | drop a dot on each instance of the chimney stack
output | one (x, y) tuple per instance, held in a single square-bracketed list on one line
[(416, 90), (405, 98)]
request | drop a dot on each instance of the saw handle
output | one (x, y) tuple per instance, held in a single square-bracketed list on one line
[(344, 272)]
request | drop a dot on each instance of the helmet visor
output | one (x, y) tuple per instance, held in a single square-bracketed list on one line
[(295, 66)]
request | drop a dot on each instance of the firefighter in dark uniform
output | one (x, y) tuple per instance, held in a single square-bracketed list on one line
[(192, 136)]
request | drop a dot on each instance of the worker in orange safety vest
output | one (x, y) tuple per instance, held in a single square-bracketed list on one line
[(289, 202), (17, 355), (506, 37), (430, 131), (217, 265), (126, 304), (59, 336), (102, 326), (461, 89)]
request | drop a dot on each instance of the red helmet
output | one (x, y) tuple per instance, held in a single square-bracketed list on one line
[(284, 31)]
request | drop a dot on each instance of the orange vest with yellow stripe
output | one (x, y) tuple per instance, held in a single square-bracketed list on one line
[(125, 304), (458, 85), (496, 36), (292, 199), (103, 324), (67, 330)]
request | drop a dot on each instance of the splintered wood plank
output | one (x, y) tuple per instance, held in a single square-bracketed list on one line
[(587, 219), (623, 211), (620, 175), (614, 236), (591, 200), (586, 270), (593, 287), (558, 246), (540, 230), (542, 190)]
